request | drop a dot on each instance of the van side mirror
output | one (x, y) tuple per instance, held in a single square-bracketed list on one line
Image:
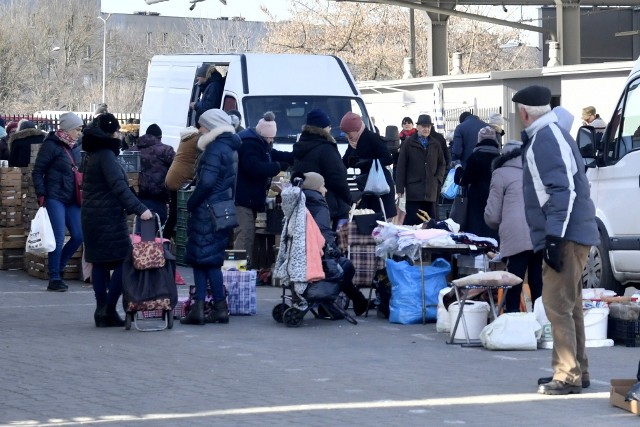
[(587, 145)]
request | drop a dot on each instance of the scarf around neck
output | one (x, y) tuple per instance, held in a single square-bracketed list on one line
[(65, 137)]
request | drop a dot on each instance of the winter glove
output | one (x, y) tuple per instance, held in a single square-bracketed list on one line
[(552, 254), (41, 201)]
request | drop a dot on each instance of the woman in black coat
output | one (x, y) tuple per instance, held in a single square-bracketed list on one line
[(365, 147), (107, 199), (317, 151), (477, 177), (215, 179), (55, 185)]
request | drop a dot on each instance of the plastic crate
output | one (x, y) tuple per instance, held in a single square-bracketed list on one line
[(182, 218), (183, 196), (130, 161), (625, 331), (181, 251), (181, 236)]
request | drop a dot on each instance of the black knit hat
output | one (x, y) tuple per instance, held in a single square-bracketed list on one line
[(533, 96), (154, 130)]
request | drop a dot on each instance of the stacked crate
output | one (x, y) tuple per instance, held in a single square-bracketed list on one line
[(37, 265), (181, 226), (29, 198), (12, 235)]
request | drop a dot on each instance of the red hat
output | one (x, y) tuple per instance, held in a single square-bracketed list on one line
[(12, 126), (351, 122)]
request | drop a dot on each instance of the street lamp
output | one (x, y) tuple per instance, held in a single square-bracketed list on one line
[(104, 55)]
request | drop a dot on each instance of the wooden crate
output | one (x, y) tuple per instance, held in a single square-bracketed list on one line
[(12, 259), (10, 216), (10, 198), (12, 238), (35, 149), (10, 179), (37, 265)]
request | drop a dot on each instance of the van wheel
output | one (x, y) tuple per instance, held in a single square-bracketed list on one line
[(597, 271)]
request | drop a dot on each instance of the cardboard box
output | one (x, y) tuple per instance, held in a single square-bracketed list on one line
[(619, 389)]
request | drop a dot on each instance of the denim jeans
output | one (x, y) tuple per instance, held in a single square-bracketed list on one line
[(63, 216), (208, 276), (106, 286)]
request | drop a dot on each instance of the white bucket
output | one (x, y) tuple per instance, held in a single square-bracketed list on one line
[(476, 314), (595, 323)]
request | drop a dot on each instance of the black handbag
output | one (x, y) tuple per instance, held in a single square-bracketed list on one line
[(460, 207), (223, 215)]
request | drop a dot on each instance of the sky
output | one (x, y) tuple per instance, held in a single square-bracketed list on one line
[(249, 9)]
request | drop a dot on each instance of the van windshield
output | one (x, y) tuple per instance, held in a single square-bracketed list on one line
[(291, 113)]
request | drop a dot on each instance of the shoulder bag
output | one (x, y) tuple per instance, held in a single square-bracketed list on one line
[(223, 214), (77, 176)]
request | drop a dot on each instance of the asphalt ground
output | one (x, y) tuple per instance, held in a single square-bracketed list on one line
[(57, 369)]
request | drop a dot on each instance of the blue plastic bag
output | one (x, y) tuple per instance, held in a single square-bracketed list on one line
[(405, 306), (449, 188)]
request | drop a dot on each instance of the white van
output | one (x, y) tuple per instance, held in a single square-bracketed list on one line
[(288, 85), (614, 173)]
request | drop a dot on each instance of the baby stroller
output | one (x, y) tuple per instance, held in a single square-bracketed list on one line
[(150, 289), (300, 296)]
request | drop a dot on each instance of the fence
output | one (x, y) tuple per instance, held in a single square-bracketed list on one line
[(452, 116), (50, 122)]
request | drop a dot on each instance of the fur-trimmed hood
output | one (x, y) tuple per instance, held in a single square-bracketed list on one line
[(502, 160), (25, 133), (187, 133), (211, 136), (318, 131)]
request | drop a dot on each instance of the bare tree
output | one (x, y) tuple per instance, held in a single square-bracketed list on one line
[(374, 38)]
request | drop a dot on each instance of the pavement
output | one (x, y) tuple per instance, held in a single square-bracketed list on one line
[(57, 369)]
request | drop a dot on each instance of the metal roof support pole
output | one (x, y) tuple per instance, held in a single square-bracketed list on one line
[(438, 58), (568, 30)]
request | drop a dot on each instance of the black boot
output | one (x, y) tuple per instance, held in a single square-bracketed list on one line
[(100, 316), (220, 313), (360, 303), (195, 315), (113, 318)]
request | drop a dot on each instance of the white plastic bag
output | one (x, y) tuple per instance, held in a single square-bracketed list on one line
[(512, 331), (376, 181), (41, 239)]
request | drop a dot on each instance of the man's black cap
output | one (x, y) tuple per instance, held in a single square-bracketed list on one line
[(533, 96)]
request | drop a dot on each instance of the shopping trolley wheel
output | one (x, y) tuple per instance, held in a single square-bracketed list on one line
[(278, 311), (292, 317), (169, 318), (127, 320)]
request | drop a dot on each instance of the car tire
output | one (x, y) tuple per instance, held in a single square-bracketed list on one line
[(597, 271)]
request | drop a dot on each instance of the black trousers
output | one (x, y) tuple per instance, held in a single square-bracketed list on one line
[(172, 218), (519, 264)]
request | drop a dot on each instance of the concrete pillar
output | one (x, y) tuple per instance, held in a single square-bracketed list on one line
[(408, 68), (456, 62), (568, 28), (438, 57), (554, 54)]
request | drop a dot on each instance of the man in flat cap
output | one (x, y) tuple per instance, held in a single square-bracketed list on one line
[(561, 218)]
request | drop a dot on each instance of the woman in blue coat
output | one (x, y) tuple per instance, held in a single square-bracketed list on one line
[(215, 181)]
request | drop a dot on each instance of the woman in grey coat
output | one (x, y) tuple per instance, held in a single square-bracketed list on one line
[(505, 212)]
